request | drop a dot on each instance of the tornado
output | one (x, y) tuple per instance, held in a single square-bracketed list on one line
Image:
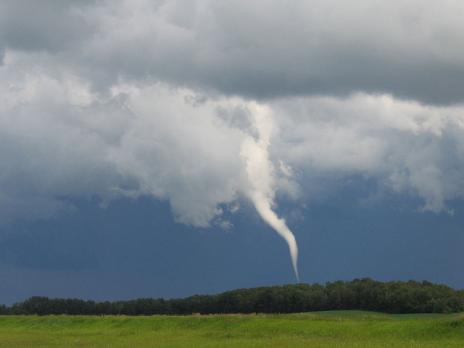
[(261, 178)]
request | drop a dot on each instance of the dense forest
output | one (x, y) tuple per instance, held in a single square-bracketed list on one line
[(363, 294)]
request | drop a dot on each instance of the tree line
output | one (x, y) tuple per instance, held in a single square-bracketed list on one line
[(361, 294)]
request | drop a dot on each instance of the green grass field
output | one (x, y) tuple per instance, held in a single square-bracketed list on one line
[(325, 329)]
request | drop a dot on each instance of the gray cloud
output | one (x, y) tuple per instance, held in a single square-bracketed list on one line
[(57, 139), (409, 147), (49, 25), (411, 49), (61, 139), (156, 97)]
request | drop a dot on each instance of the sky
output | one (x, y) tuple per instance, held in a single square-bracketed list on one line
[(171, 147)]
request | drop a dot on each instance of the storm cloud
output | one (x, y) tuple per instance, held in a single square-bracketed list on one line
[(410, 49), (132, 98)]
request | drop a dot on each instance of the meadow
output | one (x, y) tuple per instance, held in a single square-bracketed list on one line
[(321, 329)]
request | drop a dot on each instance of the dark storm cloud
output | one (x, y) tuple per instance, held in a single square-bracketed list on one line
[(260, 49), (121, 118), (61, 136), (49, 25)]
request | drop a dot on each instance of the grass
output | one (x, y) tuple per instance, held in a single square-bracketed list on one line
[(323, 329)]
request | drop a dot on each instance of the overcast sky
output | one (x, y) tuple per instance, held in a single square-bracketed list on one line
[(209, 123)]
